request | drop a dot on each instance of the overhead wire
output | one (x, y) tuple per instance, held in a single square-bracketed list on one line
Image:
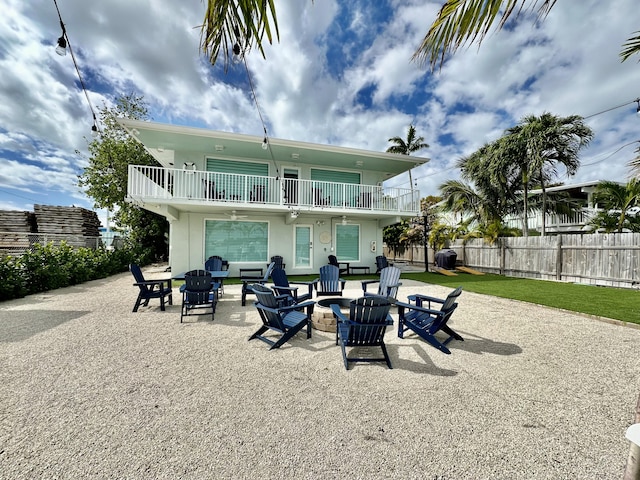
[(95, 126)]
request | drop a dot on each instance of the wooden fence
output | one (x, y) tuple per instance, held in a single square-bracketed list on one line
[(611, 259)]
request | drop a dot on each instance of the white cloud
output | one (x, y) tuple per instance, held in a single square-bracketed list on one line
[(566, 65)]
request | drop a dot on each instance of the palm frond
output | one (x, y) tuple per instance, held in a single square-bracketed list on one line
[(631, 47), (467, 21), (245, 23)]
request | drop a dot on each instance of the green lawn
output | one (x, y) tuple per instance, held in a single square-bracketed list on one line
[(617, 303)]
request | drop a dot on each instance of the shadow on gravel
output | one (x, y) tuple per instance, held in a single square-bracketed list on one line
[(475, 344), (18, 325)]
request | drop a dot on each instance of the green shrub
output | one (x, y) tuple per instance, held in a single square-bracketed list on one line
[(47, 267), (13, 282)]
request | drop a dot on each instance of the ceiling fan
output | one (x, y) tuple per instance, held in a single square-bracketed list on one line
[(233, 216)]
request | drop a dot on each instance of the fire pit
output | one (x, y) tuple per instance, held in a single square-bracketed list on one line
[(323, 318)]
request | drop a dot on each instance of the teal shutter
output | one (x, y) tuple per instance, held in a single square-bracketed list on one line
[(237, 241), (325, 181), (240, 176), (348, 243)]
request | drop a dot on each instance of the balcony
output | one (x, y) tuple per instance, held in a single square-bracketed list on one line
[(184, 188), (557, 223)]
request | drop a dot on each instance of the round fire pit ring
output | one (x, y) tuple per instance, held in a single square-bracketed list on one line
[(323, 318)]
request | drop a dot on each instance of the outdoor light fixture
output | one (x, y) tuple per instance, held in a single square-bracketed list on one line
[(61, 48), (265, 143), (237, 54)]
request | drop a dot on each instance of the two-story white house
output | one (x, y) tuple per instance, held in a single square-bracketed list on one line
[(247, 200)]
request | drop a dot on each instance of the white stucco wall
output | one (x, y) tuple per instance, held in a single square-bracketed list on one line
[(187, 242)]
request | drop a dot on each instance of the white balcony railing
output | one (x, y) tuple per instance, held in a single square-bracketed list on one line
[(168, 185)]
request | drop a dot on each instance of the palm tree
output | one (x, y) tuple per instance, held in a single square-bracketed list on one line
[(412, 144), (543, 143), (236, 26), (466, 21), (613, 197)]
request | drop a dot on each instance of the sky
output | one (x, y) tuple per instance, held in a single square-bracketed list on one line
[(341, 74)]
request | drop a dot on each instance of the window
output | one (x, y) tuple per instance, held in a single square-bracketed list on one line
[(348, 243), (237, 241)]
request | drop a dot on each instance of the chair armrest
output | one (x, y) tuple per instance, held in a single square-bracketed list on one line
[(402, 306), (335, 309), (421, 297), (289, 289), (309, 304), (251, 273), (368, 282), (152, 283)]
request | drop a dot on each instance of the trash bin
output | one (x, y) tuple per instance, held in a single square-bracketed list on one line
[(446, 259)]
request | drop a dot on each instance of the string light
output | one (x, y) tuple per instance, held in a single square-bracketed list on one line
[(61, 49)]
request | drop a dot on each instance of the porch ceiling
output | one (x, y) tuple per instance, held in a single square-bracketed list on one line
[(163, 137)]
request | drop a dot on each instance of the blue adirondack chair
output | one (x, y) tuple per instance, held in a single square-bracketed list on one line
[(149, 289), (279, 316), (215, 264), (329, 283), (279, 261), (333, 260), (425, 320), (381, 262), (282, 286), (388, 283), (198, 293), (248, 281), (365, 327)]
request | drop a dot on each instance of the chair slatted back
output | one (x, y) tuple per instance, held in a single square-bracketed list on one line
[(279, 277), (197, 284), (138, 276), (450, 301), (330, 280), (213, 264), (333, 260), (278, 260), (269, 271), (389, 276), (266, 297), (381, 262), (371, 313)]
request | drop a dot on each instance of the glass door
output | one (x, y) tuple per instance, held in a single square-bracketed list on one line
[(303, 245)]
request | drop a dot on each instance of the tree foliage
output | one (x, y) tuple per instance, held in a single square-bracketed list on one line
[(460, 22), (105, 177), (236, 26), (616, 200)]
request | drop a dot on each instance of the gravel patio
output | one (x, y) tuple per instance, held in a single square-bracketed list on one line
[(90, 389)]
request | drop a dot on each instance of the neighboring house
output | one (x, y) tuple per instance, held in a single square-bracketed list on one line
[(580, 194), (235, 196)]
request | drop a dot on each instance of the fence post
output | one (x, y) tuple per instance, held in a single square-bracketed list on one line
[(501, 240), (559, 258)]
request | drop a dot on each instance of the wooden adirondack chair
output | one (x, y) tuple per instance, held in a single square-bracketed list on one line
[(279, 317), (426, 321), (367, 323), (388, 283), (248, 281), (329, 283), (282, 286), (198, 293), (149, 289)]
